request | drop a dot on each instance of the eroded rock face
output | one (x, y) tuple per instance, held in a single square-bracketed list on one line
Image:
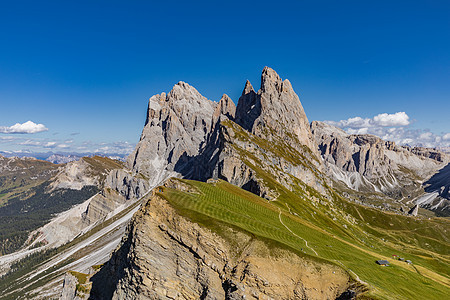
[(84, 172), (166, 256), (75, 175), (127, 185), (244, 155), (276, 131), (176, 129), (274, 111), (363, 154)]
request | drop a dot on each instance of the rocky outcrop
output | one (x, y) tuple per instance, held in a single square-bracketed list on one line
[(84, 172), (69, 288), (127, 185), (225, 109), (74, 175), (269, 131), (166, 256), (245, 158), (413, 211)]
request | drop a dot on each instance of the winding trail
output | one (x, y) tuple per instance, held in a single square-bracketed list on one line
[(354, 274), (306, 242)]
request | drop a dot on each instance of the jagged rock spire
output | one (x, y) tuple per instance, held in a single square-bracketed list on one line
[(276, 107), (225, 107), (248, 108)]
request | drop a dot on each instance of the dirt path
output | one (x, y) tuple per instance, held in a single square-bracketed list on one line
[(306, 242)]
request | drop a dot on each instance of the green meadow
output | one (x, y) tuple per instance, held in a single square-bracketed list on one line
[(334, 230)]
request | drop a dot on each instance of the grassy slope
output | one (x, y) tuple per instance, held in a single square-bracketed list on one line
[(24, 175), (326, 239)]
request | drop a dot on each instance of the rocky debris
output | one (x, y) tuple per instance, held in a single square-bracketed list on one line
[(74, 175), (166, 256), (413, 211)]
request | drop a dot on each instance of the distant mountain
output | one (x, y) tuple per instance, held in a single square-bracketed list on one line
[(59, 155), (375, 168), (62, 159)]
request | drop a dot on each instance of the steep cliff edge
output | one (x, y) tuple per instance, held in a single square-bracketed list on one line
[(167, 256)]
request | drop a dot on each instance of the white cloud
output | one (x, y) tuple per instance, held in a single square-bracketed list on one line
[(426, 136), (381, 120), (363, 130), (27, 127), (50, 145), (388, 120), (446, 137), (393, 127), (30, 143)]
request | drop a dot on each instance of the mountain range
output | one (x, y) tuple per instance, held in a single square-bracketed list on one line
[(225, 201)]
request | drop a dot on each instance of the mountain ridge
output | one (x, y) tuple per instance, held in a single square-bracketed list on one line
[(211, 173)]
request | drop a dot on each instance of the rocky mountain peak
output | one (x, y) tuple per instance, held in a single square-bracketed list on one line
[(248, 108), (225, 109), (276, 107), (184, 91), (282, 111), (248, 88), (269, 79), (176, 129)]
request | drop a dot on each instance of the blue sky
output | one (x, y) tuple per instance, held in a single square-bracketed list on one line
[(85, 69)]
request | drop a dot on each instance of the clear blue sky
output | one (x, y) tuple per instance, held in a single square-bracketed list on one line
[(85, 69)]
